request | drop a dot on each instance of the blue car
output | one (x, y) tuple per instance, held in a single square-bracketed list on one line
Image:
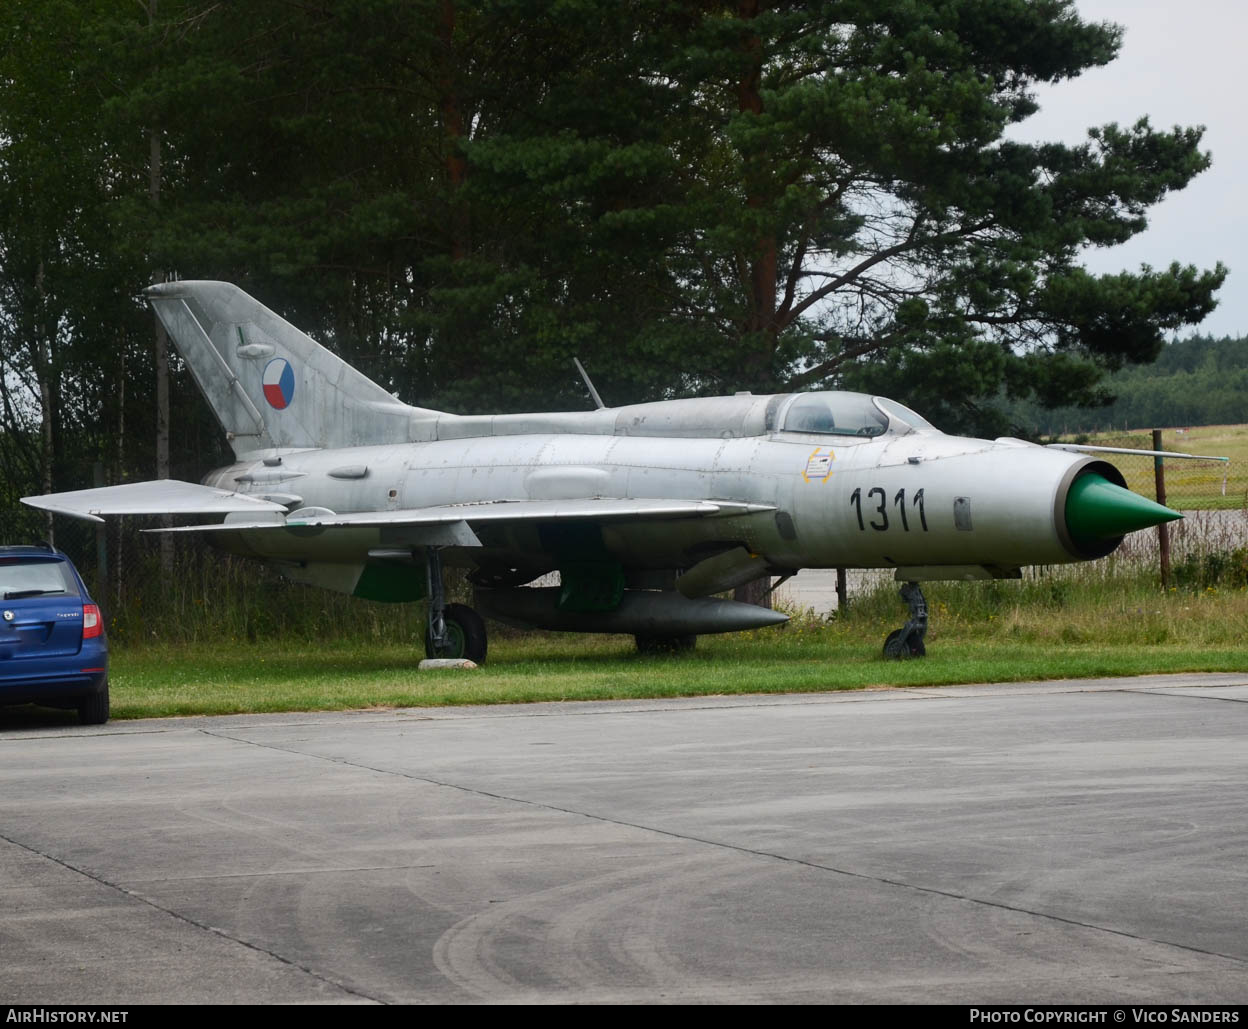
[(53, 649)]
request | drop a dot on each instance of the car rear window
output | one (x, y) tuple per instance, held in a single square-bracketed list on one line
[(34, 576)]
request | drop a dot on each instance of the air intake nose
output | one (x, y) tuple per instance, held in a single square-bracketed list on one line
[(1097, 510)]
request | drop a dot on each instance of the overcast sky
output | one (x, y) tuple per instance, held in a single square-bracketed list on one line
[(1182, 62)]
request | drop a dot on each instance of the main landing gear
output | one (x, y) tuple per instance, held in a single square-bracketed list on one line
[(454, 630), (907, 641)]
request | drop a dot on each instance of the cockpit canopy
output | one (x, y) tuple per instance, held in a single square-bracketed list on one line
[(828, 413), (847, 414)]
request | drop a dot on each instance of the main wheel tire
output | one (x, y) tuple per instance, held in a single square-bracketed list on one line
[(93, 708), (899, 649), (464, 636), (666, 644)]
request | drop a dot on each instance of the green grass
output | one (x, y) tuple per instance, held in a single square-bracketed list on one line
[(1042, 628), (265, 646), (152, 685)]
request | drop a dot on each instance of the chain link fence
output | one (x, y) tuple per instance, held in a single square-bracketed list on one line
[(1209, 546), (1189, 485), (199, 594)]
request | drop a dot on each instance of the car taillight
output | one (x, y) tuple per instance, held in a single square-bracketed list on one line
[(92, 624)]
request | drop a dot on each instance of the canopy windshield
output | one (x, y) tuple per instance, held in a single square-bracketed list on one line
[(904, 414), (836, 414)]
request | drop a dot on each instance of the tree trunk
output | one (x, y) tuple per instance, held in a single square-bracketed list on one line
[(160, 343), (453, 128), (160, 339), (762, 260), (760, 325), (162, 434), (43, 375)]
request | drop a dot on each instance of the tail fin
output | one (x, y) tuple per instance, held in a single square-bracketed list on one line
[(270, 385)]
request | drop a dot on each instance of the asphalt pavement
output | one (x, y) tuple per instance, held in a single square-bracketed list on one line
[(1081, 841)]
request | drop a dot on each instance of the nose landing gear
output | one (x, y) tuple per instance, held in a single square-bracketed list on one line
[(907, 642)]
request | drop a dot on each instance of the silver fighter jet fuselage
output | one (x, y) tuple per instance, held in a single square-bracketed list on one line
[(645, 511)]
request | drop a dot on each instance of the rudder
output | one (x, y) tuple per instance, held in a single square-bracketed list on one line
[(270, 385)]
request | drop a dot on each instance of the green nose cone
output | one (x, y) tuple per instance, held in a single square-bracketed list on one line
[(1096, 510)]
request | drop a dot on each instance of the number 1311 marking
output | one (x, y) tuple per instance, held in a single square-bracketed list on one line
[(880, 510)]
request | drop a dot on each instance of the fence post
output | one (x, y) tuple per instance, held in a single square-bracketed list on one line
[(101, 549), (1163, 530)]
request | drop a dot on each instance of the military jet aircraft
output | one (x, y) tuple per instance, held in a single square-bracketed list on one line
[(645, 511)]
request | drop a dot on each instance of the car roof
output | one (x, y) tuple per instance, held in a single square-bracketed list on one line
[(43, 550)]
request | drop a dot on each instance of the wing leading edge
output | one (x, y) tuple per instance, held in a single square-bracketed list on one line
[(159, 497), (594, 509), (245, 513)]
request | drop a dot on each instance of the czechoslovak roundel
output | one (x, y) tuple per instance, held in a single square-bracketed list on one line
[(279, 383)]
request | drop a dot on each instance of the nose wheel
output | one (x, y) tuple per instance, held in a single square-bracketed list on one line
[(907, 642)]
